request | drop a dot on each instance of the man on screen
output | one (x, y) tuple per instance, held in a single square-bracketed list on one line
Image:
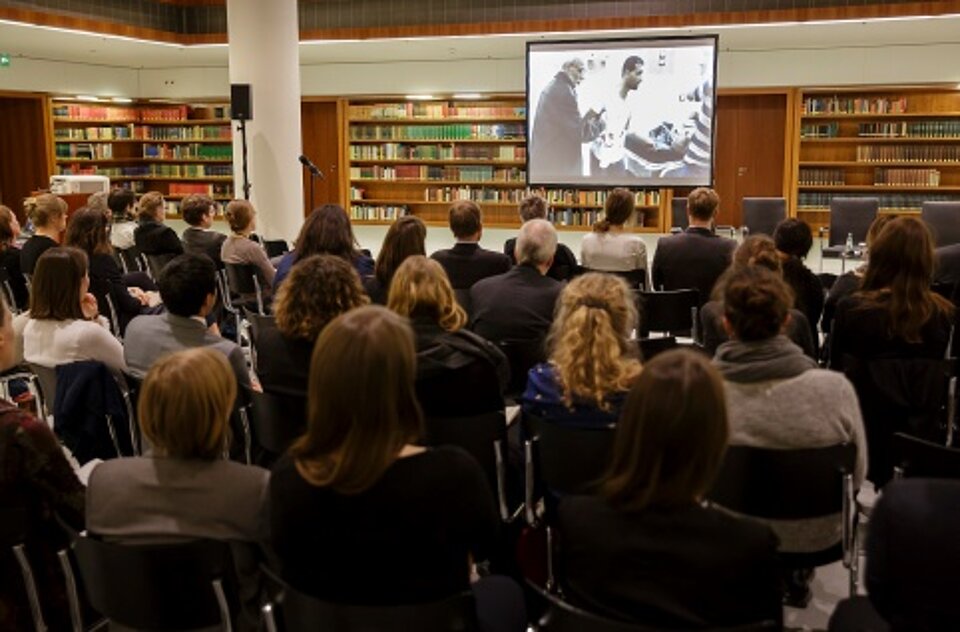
[(559, 130), (608, 152)]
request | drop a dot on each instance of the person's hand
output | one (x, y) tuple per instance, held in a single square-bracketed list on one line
[(88, 305)]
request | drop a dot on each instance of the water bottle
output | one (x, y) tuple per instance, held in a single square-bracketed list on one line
[(848, 247)]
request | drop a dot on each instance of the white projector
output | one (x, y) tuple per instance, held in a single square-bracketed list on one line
[(61, 185)]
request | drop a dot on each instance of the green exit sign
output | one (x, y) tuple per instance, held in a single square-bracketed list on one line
[(4, 60)]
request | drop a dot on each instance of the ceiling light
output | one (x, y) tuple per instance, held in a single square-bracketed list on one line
[(87, 97), (419, 97), (121, 99), (468, 95)]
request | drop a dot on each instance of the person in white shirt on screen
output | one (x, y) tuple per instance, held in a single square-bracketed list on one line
[(608, 152)]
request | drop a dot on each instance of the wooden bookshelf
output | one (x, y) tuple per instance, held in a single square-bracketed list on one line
[(176, 149), (415, 157), (899, 144)]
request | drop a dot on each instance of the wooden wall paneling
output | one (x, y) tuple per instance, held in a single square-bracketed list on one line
[(24, 148), (321, 129)]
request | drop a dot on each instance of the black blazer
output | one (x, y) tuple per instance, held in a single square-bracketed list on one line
[(693, 259), (153, 238), (681, 567), (31, 251), (283, 364), (467, 263), (106, 278), (204, 242), (807, 289), (378, 293), (516, 305), (564, 265)]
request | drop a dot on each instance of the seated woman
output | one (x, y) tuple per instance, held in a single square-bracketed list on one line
[(359, 513), (609, 248), (758, 250), (10, 257), (592, 362), (239, 248), (404, 238), (49, 217), (458, 372), (63, 324), (327, 231), (319, 289), (646, 549), (122, 203), (564, 264), (793, 239), (151, 236), (778, 398), (186, 489), (36, 477), (88, 232)]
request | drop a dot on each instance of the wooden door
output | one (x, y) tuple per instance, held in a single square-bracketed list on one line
[(321, 123), (751, 152), (24, 145)]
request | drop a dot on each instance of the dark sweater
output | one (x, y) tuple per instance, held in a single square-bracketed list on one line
[(31, 251), (406, 539)]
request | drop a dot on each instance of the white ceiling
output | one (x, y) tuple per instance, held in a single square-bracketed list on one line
[(44, 43)]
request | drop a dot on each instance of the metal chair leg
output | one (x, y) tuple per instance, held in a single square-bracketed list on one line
[(30, 585)]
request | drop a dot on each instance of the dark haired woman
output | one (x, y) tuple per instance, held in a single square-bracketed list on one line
[(609, 248), (793, 239), (404, 238), (327, 231), (360, 514), (10, 257), (645, 548)]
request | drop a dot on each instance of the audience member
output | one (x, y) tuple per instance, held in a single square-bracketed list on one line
[(756, 250), (49, 217), (326, 231), (593, 362), (63, 324), (188, 287), (564, 262), (518, 305), (37, 478), (98, 201), (319, 288), (697, 257), (646, 549), (239, 248), (609, 248), (778, 398), (466, 263), (794, 240), (10, 257), (405, 237), (151, 236), (458, 373), (121, 203), (358, 468), (198, 238), (185, 489)]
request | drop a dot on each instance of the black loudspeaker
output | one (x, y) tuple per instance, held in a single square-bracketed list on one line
[(241, 105)]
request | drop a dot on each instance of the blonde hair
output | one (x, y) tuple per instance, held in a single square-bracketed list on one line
[(239, 214), (45, 209), (420, 287), (185, 404), (589, 340), (151, 206)]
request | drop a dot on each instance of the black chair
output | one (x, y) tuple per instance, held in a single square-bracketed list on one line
[(277, 420), (8, 296), (14, 525), (849, 216), (275, 247), (916, 458), (129, 259), (522, 355), (760, 215), (303, 613), (243, 279), (678, 215), (157, 587), (943, 218), (154, 264), (636, 279), (795, 484), (673, 312), (827, 279), (652, 347)]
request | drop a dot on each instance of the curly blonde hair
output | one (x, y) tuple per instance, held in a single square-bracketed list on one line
[(319, 289), (589, 340), (420, 287)]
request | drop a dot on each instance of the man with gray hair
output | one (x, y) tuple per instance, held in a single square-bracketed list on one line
[(564, 262), (518, 305)]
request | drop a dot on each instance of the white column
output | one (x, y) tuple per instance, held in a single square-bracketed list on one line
[(264, 52)]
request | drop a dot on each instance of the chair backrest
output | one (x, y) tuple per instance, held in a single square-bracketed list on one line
[(130, 260), (760, 215), (47, 376), (157, 587), (678, 213), (14, 526), (477, 434), (156, 263), (522, 355), (851, 216), (784, 484), (651, 347), (9, 298), (636, 279), (275, 247), (916, 458), (572, 460), (943, 218), (243, 279), (277, 419), (668, 311), (827, 279)]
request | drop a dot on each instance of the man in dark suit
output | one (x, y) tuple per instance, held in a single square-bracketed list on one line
[(466, 263), (564, 262), (696, 257), (198, 238), (518, 305)]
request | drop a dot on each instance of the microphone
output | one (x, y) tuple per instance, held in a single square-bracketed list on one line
[(309, 165)]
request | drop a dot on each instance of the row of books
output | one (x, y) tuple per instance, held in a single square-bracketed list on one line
[(186, 132), (912, 129), (821, 177), (117, 113), (560, 197), (820, 130), (434, 110), (400, 151), (189, 171), (854, 105), (377, 212), (84, 151), (451, 131), (192, 151), (907, 177), (908, 153), (889, 202), (472, 173), (213, 190), (113, 132), (482, 194)]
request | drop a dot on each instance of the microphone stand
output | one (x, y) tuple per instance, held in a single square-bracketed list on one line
[(243, 158)]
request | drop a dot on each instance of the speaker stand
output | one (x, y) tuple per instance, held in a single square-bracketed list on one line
[(243, 158)]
